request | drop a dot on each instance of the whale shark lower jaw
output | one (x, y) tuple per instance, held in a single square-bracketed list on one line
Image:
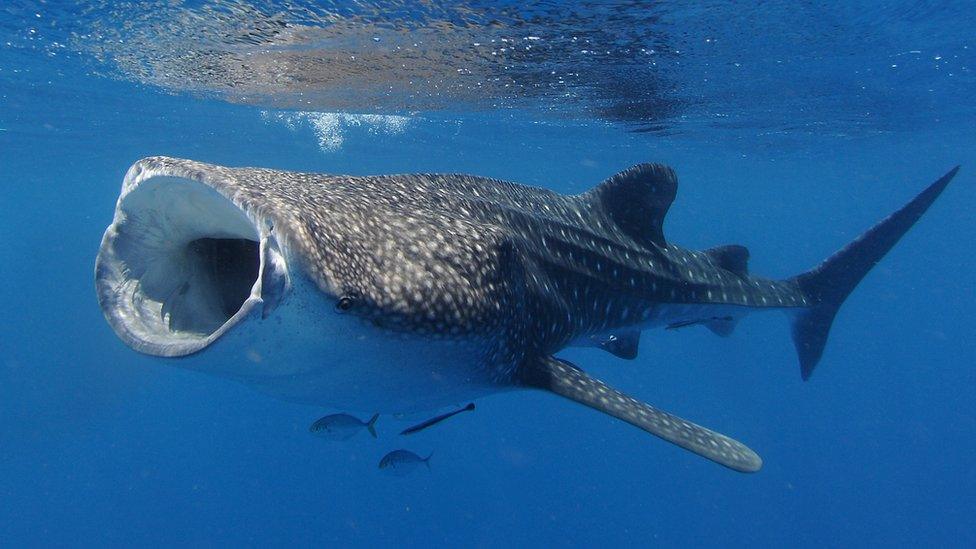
[(181, 264)]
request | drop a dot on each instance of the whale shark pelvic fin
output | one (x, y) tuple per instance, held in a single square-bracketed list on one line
[(566, 380), (622, 344)]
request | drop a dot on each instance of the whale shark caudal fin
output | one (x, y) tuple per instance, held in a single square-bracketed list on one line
[(566, 380), (829, 284)]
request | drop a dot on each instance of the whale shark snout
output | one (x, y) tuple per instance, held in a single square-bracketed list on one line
[(181, 264)]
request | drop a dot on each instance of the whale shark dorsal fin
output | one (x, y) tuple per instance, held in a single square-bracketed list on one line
[(733, 258), (621, 344), (566, 380), (637, 200)]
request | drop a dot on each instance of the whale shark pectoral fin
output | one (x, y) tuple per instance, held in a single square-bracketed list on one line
[(566, 380), (621, 345)]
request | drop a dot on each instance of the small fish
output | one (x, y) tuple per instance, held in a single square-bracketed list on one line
[(402, 462), (434, 420), (685, 323), (342, 426)]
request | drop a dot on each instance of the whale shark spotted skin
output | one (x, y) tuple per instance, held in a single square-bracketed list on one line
[(409, 292)]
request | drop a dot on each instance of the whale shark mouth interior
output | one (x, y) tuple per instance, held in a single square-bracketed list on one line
[(177, 266)]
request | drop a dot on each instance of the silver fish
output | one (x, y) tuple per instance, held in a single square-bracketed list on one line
[(342, 426), (403, 462)]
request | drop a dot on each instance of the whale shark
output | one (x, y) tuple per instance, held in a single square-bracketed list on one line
[(403, 293)]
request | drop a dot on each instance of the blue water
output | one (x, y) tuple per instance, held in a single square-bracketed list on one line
[(801, 129)]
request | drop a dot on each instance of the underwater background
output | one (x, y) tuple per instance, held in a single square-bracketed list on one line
[(792, 126)]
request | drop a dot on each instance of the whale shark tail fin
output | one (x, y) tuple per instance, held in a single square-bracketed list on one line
[(829, 284)]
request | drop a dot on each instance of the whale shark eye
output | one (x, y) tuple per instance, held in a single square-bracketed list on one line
[(345, 303)]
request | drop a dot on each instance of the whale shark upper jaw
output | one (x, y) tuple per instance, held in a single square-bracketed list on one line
[(181, 264)]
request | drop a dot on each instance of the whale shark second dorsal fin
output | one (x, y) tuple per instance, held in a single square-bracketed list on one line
[(732, 257), (566, 380), (637, 200)]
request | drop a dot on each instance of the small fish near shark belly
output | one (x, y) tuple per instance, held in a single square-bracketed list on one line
[(678, 315), (623, 341)]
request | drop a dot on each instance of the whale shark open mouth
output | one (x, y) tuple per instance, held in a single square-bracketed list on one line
[(181, 263)]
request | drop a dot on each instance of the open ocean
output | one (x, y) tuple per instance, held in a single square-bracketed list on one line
[(792, 126)]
